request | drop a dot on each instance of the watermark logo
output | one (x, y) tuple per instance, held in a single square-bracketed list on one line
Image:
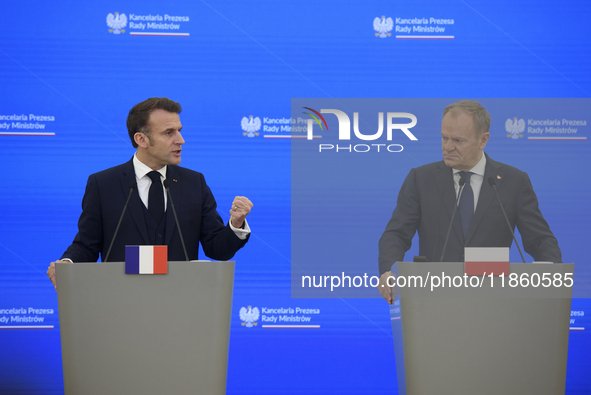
[(116, 23), (383, 27), (316, 119), (345, 124), (345, 129), (515, 128), (249, 316), (251, 126)]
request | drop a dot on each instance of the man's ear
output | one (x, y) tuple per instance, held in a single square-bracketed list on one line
[(484, 140), (141, 140)]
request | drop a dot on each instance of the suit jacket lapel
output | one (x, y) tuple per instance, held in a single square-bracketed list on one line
[(487, 194), (174, 181), (445, 185), (135, 203)]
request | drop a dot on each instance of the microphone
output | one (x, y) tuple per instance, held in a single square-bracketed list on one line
[(132, 188), (176, 218), (441, 194), (461, 183), (492, 183)]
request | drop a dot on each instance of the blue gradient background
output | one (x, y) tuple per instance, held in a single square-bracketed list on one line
[(250, 58)]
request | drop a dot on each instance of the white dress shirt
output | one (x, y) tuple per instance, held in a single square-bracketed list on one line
[(144, 182), (475, 180)]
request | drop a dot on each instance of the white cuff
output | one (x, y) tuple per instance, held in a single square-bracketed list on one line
[(239, 232)]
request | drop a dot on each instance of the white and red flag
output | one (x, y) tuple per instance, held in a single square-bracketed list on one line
[(480, 261)]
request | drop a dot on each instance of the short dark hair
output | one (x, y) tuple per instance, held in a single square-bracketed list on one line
[(137, 120), (479, 114)]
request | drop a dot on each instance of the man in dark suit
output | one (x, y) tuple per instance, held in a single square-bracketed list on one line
[(155, 131), (426, 201)]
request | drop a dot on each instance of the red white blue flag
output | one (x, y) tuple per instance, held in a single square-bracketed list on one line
[(146, 259)]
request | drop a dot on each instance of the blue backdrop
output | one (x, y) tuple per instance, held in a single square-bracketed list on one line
[(68, 80)]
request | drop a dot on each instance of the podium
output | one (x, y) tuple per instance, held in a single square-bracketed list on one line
[(145, 334), (489, 338)]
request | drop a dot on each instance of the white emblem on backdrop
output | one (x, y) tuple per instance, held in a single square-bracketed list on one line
[(249, 316), (383, 26), (251, 126), (514, 127), (116, 23)]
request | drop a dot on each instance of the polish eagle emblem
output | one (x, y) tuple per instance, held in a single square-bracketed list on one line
[(515, 127), (249, 316), (116, 23), (251, 126), (383, 26)]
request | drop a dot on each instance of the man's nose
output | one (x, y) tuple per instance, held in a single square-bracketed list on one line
[(180, 140)]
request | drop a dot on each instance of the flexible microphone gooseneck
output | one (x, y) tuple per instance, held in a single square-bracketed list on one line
[(492, 183), (132, 188), (461, 183), (441, 194), (176, 218)]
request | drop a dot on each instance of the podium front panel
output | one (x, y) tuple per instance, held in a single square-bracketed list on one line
[(145, 334), (480, 340)]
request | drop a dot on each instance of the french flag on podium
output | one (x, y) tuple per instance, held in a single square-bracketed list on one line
[(146, 259)]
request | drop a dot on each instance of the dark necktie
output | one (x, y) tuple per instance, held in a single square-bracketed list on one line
[(156, 197), (466, 205)]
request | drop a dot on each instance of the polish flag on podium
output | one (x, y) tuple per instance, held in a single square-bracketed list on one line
[(146, 259), (482, 261)]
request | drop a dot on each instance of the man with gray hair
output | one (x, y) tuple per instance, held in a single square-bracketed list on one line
[(426, 201)]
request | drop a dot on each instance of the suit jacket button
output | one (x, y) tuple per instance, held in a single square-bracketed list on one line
[(159, 235)]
